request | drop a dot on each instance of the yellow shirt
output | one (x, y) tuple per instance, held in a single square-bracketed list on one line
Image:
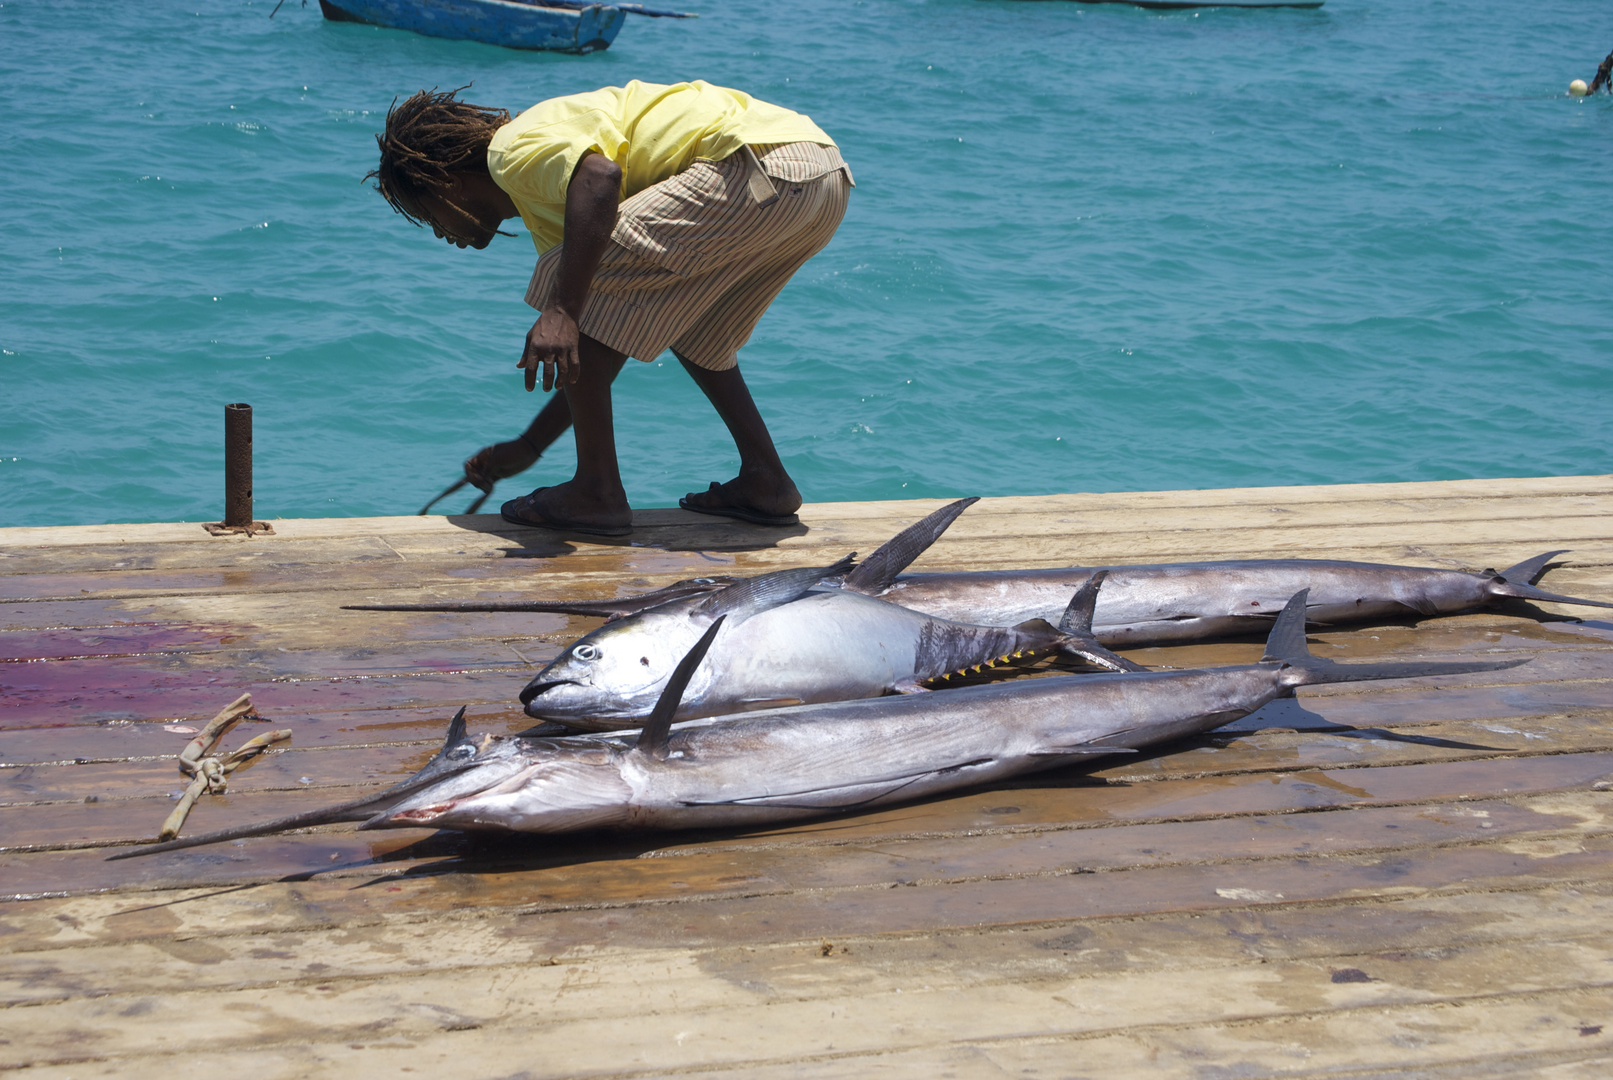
[(650, 131)]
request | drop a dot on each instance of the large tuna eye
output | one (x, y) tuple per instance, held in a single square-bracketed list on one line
[(585, 652)]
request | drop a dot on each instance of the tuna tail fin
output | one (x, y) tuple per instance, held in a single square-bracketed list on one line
[(652, 737), (1075, 629), (879, 570), (1519, 582), (1286, 644), (758, 594), (1078, 615)]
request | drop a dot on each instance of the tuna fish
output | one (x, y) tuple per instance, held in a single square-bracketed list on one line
[(785, 644), (784, 764)]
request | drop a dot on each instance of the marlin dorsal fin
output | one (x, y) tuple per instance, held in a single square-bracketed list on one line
[(456, 730), (652, 738), (879, 570), (755, 595), (1287, 638)]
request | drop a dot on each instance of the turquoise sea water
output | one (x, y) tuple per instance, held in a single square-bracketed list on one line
[(1092, 248)]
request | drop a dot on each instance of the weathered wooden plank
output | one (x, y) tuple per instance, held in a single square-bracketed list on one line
[(911, 863), (982, 523), (872, 1010), (336, 528)]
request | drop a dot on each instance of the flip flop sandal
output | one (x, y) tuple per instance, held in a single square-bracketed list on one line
[(740, 513), (522, 512)]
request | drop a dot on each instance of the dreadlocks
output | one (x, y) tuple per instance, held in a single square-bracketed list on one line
[(428, 138)]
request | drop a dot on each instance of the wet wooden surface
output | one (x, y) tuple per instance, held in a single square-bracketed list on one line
[(1411, 878)]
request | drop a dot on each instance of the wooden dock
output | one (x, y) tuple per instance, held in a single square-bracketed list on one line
[(1407, 879)]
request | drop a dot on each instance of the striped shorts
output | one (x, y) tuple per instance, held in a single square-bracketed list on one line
[(695, 260)]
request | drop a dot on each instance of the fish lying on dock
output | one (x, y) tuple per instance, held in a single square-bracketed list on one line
[(786, 644), (1141, 605), (812, 760)]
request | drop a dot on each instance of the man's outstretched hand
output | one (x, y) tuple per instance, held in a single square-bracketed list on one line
[(552, 344), (493, 463)]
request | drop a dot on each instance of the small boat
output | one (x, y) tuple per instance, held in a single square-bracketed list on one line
[(1184, 5), (583, 28)]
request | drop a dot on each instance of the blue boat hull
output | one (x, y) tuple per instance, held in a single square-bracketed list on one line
[(515, 26)]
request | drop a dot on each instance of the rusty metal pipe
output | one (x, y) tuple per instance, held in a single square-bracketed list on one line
[(238, 466)]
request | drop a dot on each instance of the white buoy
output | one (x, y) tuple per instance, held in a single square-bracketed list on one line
[(1578, 88)]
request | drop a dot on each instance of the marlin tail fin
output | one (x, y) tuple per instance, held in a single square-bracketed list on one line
[(1519, 581), (1287, 644)]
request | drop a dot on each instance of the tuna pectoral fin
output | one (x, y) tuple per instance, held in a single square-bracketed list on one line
[(879, 570), (845, 797), (604, 608), (765, 591), (1287, 644)]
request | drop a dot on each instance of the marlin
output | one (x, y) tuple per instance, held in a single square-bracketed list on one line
[(1141, 605), (785, 643), (805, 761)]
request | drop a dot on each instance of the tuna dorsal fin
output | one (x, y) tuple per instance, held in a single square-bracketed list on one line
[(456, 730), (877, 571), (1526, 572), (1078, 615), (1287, 638), (652, 738), (754, 595)]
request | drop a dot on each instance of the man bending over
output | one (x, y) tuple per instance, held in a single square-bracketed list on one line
[(664, 217)]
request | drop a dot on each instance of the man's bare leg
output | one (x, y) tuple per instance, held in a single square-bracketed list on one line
[(594, 496), (762, 483)]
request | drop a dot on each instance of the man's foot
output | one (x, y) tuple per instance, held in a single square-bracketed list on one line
[(761, 502), (569, 508), (493, 463)]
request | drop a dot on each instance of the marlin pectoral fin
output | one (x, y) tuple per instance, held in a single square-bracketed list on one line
[(879, 570), (1421, 605), (1064, 751), (844, 797)]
